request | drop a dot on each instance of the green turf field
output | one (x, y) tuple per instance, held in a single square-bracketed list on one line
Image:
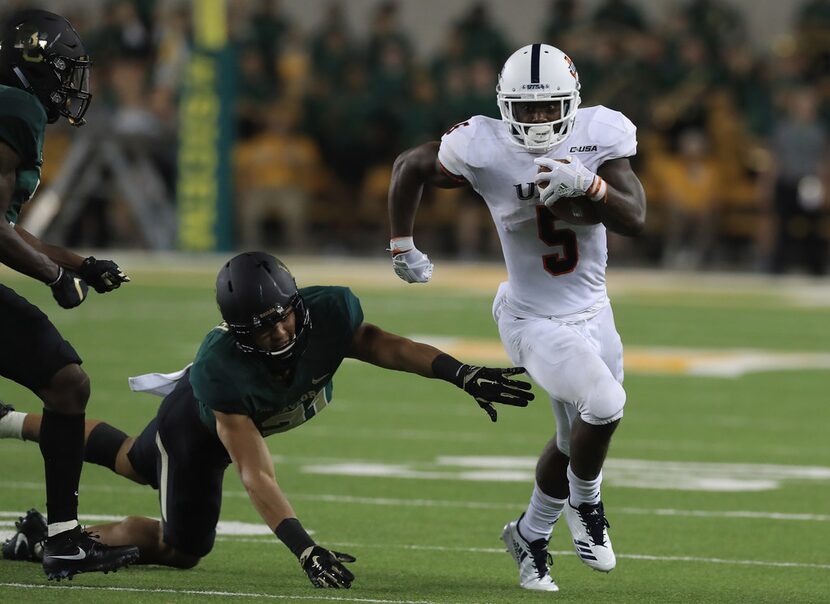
[(717, 486)]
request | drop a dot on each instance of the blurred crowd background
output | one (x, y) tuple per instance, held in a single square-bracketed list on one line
[(733, 135)]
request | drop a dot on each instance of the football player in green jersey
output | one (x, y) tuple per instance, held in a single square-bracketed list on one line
[(267, 368), (44, 74)]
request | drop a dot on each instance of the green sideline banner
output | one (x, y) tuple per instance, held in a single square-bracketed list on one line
[(204, 188)]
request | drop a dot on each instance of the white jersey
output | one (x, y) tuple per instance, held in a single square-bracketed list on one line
[(554, 268)]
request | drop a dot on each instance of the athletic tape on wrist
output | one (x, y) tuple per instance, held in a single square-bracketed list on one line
[(598, 190)]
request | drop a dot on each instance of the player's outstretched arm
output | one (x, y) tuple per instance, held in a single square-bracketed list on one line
[(413, 169), (485, 384), (252, 459), (103, 275)]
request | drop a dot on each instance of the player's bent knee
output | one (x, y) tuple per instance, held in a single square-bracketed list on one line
[(183, 561), (605, 404), (67, 391), (170, 556)]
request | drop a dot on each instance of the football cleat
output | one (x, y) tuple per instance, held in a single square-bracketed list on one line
[(27, 542), (533, 558), (4, 409), (589, 530), (72, 552)]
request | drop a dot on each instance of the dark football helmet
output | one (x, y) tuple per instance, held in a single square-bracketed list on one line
[(255, 290), (42, 54)]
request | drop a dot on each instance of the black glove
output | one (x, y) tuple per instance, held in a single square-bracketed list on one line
[(325, 568), (103, 275), (68, 289), (488, 386)]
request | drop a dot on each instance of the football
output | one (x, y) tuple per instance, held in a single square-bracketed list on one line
[(573, 210)]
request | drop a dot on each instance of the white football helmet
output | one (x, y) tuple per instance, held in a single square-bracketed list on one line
[(539, 72)]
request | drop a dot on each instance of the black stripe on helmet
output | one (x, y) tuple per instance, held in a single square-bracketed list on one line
[(535, 51)]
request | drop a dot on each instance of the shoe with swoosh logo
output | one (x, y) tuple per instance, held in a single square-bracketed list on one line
[(27, 542), (72, 552)]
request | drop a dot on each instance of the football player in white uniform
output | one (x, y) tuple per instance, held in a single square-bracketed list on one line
[(554, 178)]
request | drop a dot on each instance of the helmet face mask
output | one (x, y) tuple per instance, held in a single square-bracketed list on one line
[(255, 292), (539, 73), (42, 54)]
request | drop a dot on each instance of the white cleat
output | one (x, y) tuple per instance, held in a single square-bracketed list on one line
[(589, 530), (533, 558)]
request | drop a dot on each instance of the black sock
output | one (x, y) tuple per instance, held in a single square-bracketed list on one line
[(62, 447)]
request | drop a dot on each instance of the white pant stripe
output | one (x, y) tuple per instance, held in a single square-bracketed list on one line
[(163, 478)]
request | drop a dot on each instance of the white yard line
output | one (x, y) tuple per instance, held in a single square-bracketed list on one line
[(500, 550), (211, 593), (438, 503)]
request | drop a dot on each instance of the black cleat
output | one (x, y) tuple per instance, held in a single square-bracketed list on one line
[(27, 542), (4, 409), (72, 552)]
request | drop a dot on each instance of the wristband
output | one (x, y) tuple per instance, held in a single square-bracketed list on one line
[(598, 191), (293, 535), (401, 244), (58, 278), (448, 368)]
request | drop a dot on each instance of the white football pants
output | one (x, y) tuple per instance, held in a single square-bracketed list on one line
[(579, 363)]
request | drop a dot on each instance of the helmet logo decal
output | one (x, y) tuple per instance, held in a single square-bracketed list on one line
[(30, 42), (572, 67)]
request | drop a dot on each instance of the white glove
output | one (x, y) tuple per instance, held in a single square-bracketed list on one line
[(568, 178), (409, 263)]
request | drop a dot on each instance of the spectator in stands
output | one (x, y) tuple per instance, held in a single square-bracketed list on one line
[(564, 18), (747, 81), (452, 57), (123, 34), (482, 40), (716, 23), (255, 92), (689, 184), (387, 35), (278, 172), (620, 15), (479, 97), (799, 149), (174, 38), (423, 121), (268, 29), (331, 48)]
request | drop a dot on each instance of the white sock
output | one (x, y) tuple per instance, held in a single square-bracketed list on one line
[(11, 425), (542, 512), (583, 491), (56, 528)]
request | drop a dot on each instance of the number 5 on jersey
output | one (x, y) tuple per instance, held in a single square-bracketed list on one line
[(557, 263)]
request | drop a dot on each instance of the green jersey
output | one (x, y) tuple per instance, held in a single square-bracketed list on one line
[(228, 380), (22, 125)]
